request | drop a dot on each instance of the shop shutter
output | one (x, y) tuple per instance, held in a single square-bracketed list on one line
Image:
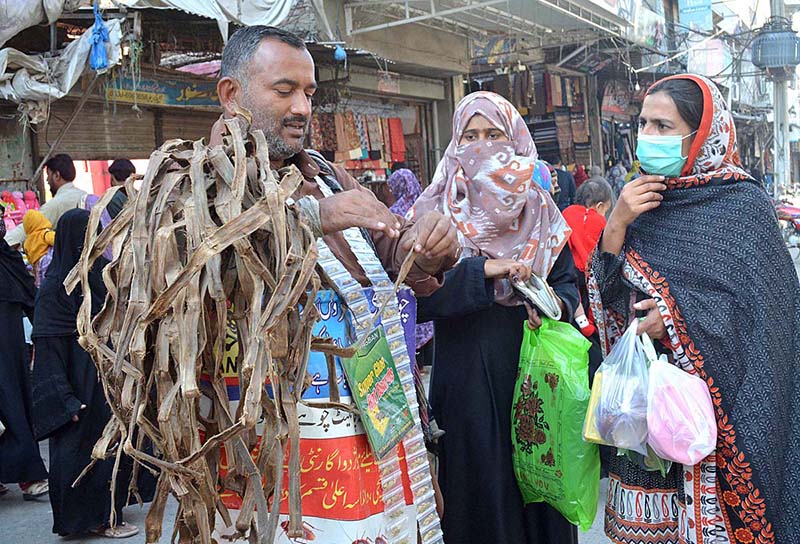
[(101, 131), (188, 124)]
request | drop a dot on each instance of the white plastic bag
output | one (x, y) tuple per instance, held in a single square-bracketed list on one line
[(621, 415), (681, 425)]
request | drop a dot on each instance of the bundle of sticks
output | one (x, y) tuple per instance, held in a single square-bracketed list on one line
[(207, 238)]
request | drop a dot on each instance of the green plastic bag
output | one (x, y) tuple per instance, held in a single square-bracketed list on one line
[(552, 462)]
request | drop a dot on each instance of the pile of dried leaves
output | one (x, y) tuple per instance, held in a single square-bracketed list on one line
[(207, 238)]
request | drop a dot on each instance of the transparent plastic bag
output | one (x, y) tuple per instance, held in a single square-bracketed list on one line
[(621, 416), (681, 425)]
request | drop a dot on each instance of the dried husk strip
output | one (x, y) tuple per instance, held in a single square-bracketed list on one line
[(208, 227)]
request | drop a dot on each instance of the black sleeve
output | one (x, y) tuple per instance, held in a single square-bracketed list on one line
[(466, 290), (563, 279)]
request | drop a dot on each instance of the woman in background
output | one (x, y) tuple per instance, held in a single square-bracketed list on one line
[(20, 461)]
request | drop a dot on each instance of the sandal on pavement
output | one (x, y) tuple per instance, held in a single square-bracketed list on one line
[(123, 530), (33, 490)]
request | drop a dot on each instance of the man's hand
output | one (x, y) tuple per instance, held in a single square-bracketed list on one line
[(653, 324), (434, 239), (357, 208), (506, 268)]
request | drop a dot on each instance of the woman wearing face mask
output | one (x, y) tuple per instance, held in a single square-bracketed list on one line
[(508, 227), (698, 237)]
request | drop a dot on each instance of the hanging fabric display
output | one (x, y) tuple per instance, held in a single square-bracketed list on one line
[(398, 139)]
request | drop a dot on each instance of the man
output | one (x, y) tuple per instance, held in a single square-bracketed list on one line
[(120, 170), (566, 197), (270, 73), (60, 174)]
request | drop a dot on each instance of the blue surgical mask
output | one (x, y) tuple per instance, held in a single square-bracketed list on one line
[(661, 155)]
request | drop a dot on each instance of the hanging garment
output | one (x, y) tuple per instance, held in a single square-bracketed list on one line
[(398, 139)]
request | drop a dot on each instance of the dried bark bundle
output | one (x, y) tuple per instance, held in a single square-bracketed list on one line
[(208, 227)]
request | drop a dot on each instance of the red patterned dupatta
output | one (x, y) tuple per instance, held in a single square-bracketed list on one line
[(712, 257)]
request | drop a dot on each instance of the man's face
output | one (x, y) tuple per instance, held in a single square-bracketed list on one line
[(53, 180), (278, 93)]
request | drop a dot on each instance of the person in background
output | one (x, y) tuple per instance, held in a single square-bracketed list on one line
[(616, 176), (31, 200), (587, 219), (596, 171), (405, 189), (695, 243), (479, 320), (566, 184), (120, 170), (39, 240), (69, 405), (60, 174), (635, 172), (580, 176), (20, 461)]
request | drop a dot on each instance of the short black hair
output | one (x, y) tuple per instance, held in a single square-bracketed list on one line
[(594, 191), (554, 159), (687, 96), (62, 163), (244, 42), (121, 169), (399, 165)]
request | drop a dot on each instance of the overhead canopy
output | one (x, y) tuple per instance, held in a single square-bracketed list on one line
[(34, 81), (553, 22), (18, 15), (252, 12)]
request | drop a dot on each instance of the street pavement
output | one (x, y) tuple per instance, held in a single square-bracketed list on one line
[(31, 522)]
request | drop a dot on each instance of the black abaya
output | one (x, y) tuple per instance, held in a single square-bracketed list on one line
[(472, 386), (65, 378), (20, 461)]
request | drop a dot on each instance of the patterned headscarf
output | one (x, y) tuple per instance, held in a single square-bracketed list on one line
[(487, 191), (714, 152), (405, 189)]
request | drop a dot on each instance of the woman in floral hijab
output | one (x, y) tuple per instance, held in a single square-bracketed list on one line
[(508, 227)]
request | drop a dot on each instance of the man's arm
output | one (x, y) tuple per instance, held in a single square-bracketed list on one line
[(427, 274)]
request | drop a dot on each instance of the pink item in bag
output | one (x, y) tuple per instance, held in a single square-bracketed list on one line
[(681, 425)]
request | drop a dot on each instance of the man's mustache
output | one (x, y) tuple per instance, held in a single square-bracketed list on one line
[(295, 119)]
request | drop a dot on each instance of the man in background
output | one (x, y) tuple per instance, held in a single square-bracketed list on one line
[(120, 170), (60, 174), (566, 182)]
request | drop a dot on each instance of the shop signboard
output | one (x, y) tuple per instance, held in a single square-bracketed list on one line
[(492, 50), (621, 8), (618, 100), (710, 58), (696, 15), (163, 92)]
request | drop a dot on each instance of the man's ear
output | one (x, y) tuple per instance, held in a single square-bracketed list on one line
[(228, 91)]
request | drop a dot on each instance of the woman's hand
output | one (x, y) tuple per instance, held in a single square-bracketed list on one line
[(637, 197), (534, 321), (653, 324), (75, 418), (506, 268)]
